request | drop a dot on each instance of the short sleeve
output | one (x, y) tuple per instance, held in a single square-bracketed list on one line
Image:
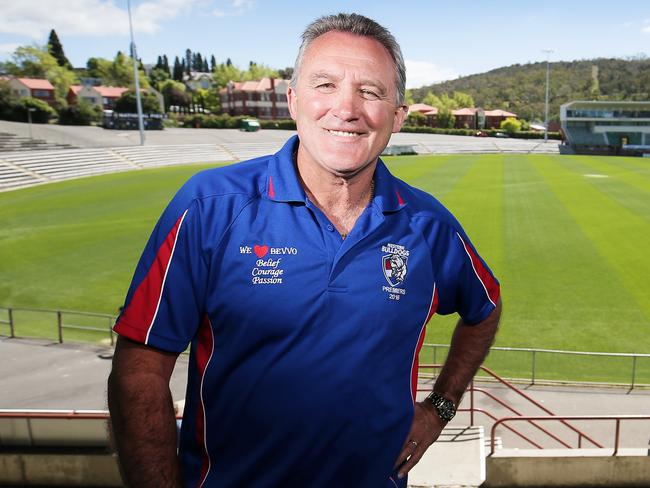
[(468, 286), (165, 302)]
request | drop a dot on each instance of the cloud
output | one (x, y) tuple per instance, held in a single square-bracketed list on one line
[(420, 73), (646, 26), (6, 50), (86, 17), (234, 7)]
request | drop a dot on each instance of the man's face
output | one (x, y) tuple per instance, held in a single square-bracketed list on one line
[(344, 103)]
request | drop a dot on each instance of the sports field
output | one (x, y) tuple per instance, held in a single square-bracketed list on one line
[(567, 236)]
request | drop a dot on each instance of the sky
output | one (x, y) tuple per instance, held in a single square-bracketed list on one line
[(441, 40)]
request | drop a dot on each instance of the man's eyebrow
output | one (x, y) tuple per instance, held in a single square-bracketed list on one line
[(321, 75)]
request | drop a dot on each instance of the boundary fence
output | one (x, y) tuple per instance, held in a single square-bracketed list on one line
[(632, 370)]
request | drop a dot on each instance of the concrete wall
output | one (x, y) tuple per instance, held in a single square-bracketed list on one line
[(56, 469), (592, 471)]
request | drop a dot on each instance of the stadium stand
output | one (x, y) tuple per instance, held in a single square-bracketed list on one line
[(605, 127), (12, 142)]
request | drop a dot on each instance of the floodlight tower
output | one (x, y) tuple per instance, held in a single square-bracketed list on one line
[(138, 101), (548, 54)]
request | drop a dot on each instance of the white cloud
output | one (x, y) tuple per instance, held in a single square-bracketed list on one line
[(235, 7), (7, 49), (646, 26), (34, 19), (420, 73)]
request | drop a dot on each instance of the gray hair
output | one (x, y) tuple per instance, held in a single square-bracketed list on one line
[(360, 26)]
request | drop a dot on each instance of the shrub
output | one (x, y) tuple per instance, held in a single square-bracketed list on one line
[(41, 112), (83, 113), (127, 103), (510, 125)]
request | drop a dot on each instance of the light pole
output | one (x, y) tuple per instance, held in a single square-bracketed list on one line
[(548, 54), (138, 102)]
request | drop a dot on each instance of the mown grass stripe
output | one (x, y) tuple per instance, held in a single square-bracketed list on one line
[(476, 199), (621, 237), (626, 188), (554, 273)]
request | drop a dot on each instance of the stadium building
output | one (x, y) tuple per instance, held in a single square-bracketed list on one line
[(606, 127)]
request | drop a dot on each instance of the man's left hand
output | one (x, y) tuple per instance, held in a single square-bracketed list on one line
[(425, 429)]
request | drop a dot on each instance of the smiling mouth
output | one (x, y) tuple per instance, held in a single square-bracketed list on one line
[(343, 133)]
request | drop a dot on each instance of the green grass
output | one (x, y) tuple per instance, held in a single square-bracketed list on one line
[(570, 248)]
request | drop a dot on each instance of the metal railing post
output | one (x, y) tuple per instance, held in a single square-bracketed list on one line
[(11, 323), (633, 372), (532, 379), (471, 402), (616, 436), (59, 320)]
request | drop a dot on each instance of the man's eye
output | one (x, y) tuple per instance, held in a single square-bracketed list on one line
[(369, 94), (325, 86)]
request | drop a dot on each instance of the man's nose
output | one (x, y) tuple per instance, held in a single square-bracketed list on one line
[(347, 104)]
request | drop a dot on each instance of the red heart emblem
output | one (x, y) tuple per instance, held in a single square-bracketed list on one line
[(260, 250)]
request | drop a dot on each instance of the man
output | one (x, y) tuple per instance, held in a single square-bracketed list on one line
[(303, 282)]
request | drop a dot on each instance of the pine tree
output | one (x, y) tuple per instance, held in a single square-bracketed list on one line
[(187, 62), (206, 68), (177, 74), (55, 48), (165, 63), (184, 69), (213, 63), (228, 62), (159, 63), (199, 62)]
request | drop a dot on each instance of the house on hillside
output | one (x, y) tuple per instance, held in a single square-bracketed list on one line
[(197, 79), (431, 113), (33, 87), (265, 98), (493, 118), (105, 96)]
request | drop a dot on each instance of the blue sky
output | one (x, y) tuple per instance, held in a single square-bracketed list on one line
[(440, 39)]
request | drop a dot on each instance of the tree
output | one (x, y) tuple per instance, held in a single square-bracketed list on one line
[(36, 62), (118, 72), (55, 48), (463, 99), (177, 72), (206, 68), (166, 63), (446, 119), (127, 103), (81, 113), (8, 101), (157, 76), (224, 73), (188, 61), (258, 71), (433, 100), (510, 125), (41, 112), (174, 93), (213, 63), (198, 65), (209, 99), (286, 73)]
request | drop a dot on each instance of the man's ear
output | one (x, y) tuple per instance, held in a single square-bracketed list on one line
[(401, 113), (292, 100)]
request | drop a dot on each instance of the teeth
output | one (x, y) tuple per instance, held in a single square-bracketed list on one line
[(343, 133)]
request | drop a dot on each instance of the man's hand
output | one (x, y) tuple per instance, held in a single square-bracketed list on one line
[(425, 429)]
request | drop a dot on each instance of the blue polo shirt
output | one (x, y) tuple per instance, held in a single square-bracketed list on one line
[(304, 346)]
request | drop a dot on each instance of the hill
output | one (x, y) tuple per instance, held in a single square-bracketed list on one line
[(520, 88)]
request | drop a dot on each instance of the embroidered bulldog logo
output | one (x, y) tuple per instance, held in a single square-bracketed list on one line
[(394, 267)]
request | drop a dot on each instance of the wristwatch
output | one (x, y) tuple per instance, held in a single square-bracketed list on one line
[(445, 408)]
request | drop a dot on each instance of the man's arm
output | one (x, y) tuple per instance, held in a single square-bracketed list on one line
[(469, 346), (143, 421)]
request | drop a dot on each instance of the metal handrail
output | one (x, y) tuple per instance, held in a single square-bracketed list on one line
[(526, 397), (563, 418)]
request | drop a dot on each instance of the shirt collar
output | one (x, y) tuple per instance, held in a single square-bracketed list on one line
[(283, 184)]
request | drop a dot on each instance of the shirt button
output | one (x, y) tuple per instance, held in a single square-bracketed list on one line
[(330, 227)]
